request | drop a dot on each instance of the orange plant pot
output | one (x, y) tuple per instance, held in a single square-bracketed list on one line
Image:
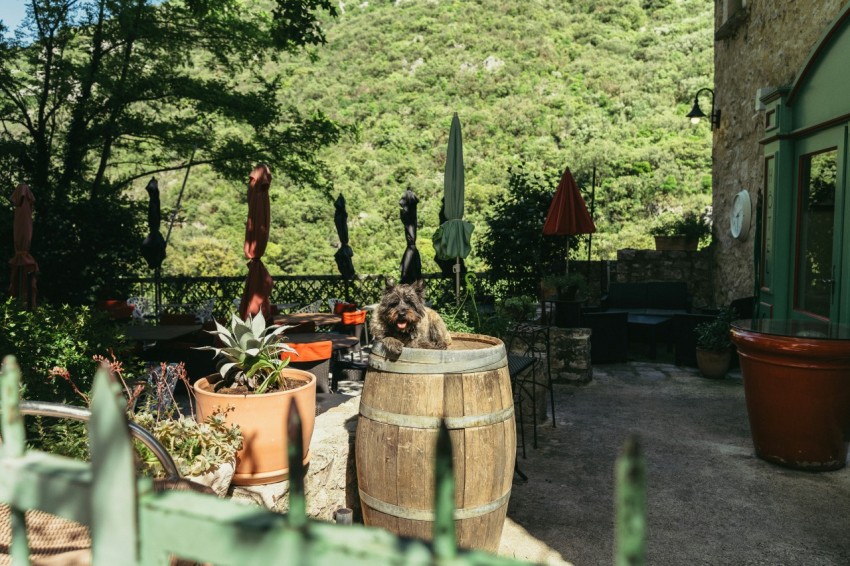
[(798, 398), (263, 421)]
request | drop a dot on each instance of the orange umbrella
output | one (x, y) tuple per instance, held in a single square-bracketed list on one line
[(258, 285), (568, 214), (23, 263)]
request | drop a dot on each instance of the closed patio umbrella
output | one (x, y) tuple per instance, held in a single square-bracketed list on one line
[(22, 284), (446, 265), (344, 254), (568, 214), (411, 262), (153, 246), (452, 238), (258, 284)]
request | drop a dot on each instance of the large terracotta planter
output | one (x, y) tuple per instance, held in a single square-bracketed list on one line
[(797, 386), (262, 419)]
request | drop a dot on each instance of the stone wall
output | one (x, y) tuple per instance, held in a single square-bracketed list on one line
[(764, 49)]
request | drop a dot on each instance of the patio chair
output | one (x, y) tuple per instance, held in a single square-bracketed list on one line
[(315, 306), (204, 311), (532, 340), (314, 357), (142, 308), (517, 365)]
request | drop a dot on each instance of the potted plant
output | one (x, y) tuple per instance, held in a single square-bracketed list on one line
[(714, 345), (675, 232), (253, 379), (570, 291)]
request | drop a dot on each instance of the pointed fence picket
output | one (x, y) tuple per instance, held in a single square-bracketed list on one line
[(131, 523)]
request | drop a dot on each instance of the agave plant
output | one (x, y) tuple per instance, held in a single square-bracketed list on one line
[(250, 357)]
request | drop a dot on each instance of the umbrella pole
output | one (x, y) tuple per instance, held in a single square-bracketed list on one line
[(180, 196), (592, 203), (457, 280), (157, 293)]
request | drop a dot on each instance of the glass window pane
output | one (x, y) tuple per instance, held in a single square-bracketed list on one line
[(814, 239)]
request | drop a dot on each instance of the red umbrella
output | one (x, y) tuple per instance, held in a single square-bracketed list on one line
[(258, 285), (23, 263), (568, 214)]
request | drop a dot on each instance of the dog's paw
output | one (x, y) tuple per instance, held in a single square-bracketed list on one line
[(393, 346)]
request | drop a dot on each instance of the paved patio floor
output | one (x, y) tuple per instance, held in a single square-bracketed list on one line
[(710, 499)]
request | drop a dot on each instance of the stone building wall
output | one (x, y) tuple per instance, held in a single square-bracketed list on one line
[(764, 48)]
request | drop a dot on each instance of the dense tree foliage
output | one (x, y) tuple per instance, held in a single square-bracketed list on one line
[(547, 83), (95, 94), (544, 83)]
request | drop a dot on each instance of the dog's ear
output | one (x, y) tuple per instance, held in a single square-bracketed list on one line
[(419, 287), (388, 286)]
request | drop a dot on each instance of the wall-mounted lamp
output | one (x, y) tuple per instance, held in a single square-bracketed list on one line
[(696, 113)]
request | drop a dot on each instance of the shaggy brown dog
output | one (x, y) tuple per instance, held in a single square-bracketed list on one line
[(402, 319)]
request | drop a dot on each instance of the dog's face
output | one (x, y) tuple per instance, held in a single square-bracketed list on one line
[(402, 307)]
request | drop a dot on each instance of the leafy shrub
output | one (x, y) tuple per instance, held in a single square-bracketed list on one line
[(690, 224), (56, 337), (196, 448)]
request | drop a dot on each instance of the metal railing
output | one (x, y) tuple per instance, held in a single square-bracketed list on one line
[(305, 289)]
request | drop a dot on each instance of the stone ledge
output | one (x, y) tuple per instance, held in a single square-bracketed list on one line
[(331, 483), (331, 480)]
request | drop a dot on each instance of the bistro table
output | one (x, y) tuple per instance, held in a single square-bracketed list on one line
[(319, 318), (159, 332), (649, 325)]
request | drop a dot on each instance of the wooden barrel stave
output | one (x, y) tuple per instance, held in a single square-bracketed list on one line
[(483, 456)]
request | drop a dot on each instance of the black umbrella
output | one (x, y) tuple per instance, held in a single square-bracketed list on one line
[(447, 266), (411, 263), (344, 254), (153, 247)]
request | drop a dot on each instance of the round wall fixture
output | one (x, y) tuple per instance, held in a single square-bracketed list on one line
[(739, 217)]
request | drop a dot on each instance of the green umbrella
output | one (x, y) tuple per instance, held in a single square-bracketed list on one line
[(451, 240)]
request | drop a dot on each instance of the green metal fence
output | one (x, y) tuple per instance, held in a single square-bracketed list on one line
[(131, 523)]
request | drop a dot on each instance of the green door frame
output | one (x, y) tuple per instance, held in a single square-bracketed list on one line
[(832, 139), (811, 115)]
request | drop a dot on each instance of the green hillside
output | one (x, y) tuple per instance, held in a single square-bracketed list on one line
[(547, 84)]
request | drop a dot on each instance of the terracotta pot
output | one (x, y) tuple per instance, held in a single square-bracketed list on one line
[(798, 398), (262, 419), (713, 364), (676, 243)]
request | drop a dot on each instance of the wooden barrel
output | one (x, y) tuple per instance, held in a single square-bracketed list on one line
[(402, 404)]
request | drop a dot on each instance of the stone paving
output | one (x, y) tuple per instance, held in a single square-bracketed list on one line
[(710, 499)]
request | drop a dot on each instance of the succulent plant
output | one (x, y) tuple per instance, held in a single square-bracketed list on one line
[(250, 357)]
